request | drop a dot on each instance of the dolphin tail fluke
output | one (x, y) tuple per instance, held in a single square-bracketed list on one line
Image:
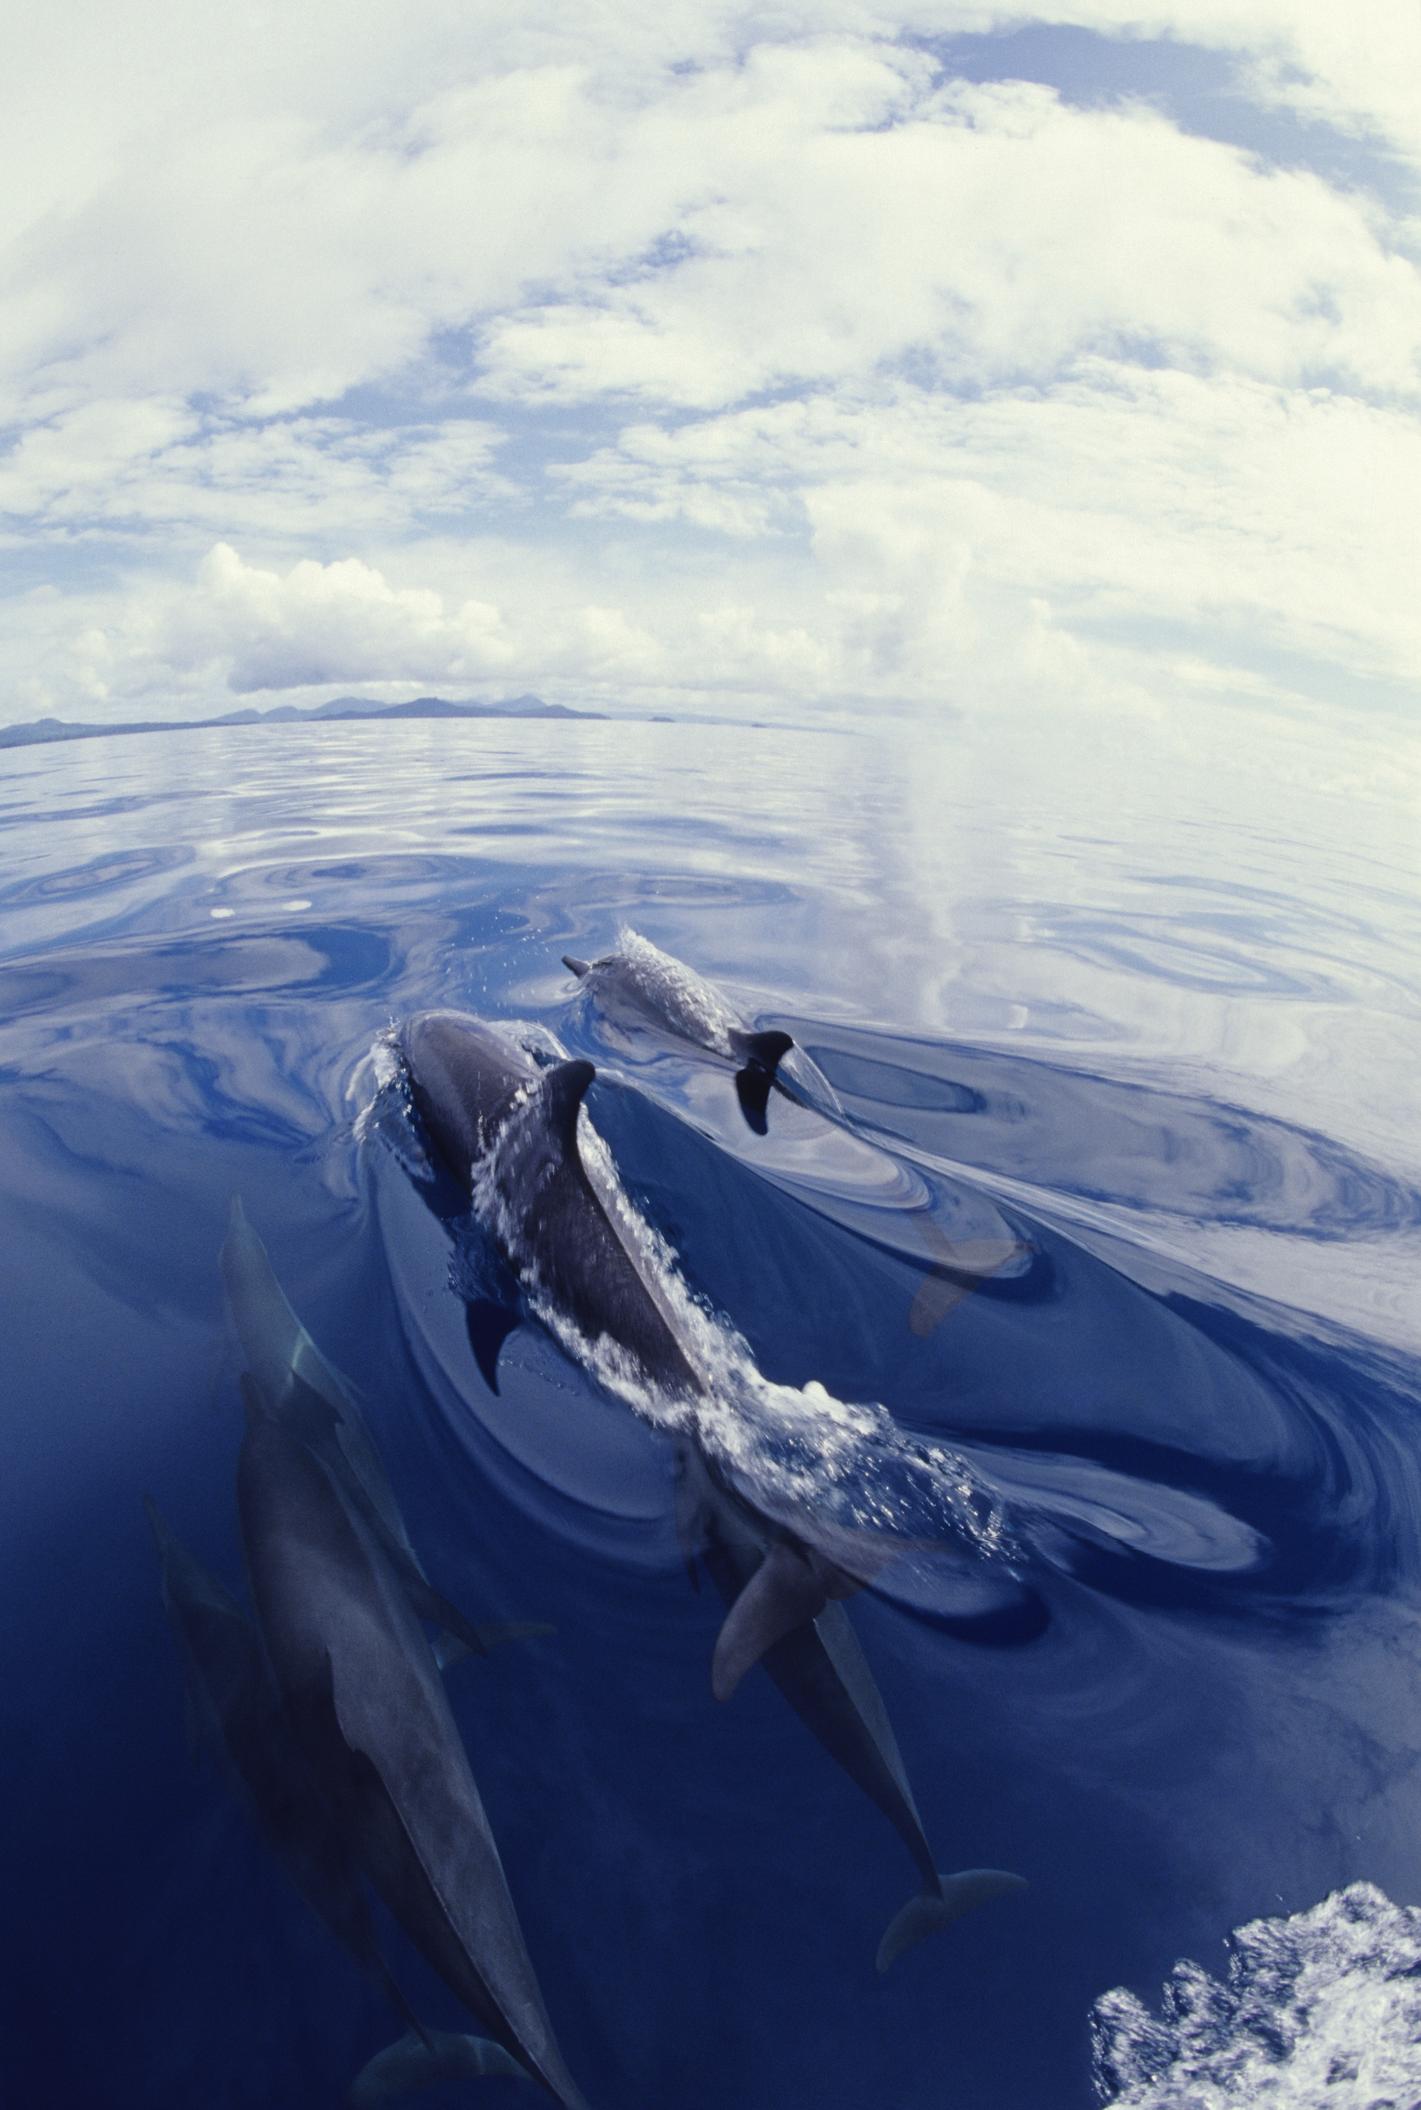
[(575, 966), (930, 1910), (418, 2062)]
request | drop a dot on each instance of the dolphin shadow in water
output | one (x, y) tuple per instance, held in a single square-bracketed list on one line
[(641, 984), (509, 1131)]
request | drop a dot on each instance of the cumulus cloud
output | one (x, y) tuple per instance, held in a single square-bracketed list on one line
[(151, 467), (696, 349), (1228, 508)]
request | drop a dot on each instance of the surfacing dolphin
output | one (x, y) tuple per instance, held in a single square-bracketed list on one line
[(490, 1113), (234, 1706), (509, 1130), (364, 1694), (639, 982)]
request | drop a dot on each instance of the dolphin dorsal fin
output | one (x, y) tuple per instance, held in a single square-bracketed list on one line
[(788, 1590), (559, 1093), (764, 1049)]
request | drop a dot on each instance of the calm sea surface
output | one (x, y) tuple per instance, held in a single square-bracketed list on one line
[(1109, 1186)]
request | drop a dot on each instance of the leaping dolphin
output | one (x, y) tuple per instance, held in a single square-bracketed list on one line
[(509, 1131), (640, 981), (365, 1698)]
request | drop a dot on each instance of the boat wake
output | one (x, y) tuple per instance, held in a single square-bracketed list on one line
[(1320, 2009)]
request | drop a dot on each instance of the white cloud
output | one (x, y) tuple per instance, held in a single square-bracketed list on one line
[(149, 465), (928, 387), (1235, 511)]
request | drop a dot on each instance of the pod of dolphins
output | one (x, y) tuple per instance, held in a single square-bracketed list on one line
[(327, 1710)]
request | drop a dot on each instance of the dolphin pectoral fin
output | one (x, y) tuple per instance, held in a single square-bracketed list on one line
[(428, 1604), (928, 1911), (575, 966), (449, 1649), (488, 1325), (418, 2062), (786, 1591)]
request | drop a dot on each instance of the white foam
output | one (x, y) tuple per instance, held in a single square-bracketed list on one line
[(379, 1086), (795, 1450), (1321, 2011)]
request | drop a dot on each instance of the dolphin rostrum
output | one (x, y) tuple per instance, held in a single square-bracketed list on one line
[(509, 1131), (640, 982), (362, 1687)]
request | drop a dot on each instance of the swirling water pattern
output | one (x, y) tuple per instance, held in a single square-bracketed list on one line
[(1104, 1183)]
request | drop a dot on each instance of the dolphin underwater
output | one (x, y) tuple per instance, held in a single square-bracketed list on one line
[(641, 983), (309, 1395), (233, 1705), (364, 1694), (495, 1118)]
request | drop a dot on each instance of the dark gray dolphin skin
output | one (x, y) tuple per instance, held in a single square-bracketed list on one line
[(367, 1704), (786, 1612), (491, 1113), (484, 1103), (641, 983), (311, 1398), (234, 1706)]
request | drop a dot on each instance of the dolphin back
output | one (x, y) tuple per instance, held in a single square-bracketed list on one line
[(463, 1076)]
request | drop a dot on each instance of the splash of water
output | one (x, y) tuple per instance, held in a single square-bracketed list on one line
[(1321, 2008)]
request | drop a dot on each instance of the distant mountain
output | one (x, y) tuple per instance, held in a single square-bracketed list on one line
[(40, 730)]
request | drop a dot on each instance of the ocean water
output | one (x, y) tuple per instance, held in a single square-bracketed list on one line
[(1085, 1256)]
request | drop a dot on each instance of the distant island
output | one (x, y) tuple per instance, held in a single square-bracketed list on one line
[(40, 730)]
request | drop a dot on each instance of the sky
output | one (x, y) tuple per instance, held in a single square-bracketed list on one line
[(836, 357)]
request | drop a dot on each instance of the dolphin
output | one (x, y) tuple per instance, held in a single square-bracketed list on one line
[(510, 1130), (234, 1705), (786, 1611), (640, 982), (488, 1108), (312, 1398), (363, 1691)]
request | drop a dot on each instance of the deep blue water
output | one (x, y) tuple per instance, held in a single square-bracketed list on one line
[(1140, 1023)]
